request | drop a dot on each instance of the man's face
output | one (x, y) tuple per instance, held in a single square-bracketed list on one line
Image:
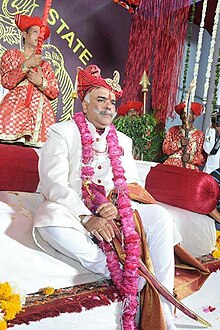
[(191, 117), (31, 36), (100, 110)]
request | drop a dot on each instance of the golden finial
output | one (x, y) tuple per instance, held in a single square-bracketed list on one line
[(144, 83)]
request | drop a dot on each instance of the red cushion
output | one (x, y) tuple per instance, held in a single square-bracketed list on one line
[(19, 168), (184, 188)]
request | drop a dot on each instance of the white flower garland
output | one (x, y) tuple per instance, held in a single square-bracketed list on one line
[(199, 47), (211, 53)]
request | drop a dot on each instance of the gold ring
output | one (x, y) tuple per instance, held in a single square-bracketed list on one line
[(107, 224), (99, 229)]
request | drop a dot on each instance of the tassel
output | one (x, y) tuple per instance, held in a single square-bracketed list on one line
[(69, 300)]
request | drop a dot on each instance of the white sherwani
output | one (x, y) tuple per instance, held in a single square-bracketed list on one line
[(58, 219), (60, 173)]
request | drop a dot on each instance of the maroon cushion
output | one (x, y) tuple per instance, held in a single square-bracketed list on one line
[(184, 188), (19, 168)]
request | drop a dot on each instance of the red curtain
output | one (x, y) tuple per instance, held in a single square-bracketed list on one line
[(156, 45)]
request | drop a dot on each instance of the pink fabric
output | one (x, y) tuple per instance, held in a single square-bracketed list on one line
[(19, 168), (184, 188)]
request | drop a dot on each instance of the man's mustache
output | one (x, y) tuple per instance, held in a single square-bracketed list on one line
[(105, 112)]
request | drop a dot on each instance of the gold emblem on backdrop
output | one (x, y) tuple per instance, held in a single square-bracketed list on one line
[(10, 37)]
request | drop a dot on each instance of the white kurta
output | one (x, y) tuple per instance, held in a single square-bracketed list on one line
[(60, 173), (213, 161)]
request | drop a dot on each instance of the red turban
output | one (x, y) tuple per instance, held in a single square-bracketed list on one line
[(196, 108), (24, 22), (123, 109), (91, 78)]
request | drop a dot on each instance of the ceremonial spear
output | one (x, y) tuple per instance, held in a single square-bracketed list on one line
[(38, 50), (187, 113)]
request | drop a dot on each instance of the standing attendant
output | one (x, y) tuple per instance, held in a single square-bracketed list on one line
[(27, 124), (185, 151)]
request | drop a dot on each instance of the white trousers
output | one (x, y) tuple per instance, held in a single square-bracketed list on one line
[(161, 237)]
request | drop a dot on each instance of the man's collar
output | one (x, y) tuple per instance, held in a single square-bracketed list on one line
[(94, 130)]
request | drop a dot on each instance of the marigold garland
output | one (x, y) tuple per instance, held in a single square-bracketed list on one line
[(126, 279), (10, 304)]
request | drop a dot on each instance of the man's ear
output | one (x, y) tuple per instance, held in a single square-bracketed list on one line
[(84, 106), (24, 34)]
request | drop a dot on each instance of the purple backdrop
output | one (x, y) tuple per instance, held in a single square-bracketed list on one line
[(82, 32)]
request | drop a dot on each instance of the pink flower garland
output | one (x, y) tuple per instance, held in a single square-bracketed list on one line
[(126, 280)]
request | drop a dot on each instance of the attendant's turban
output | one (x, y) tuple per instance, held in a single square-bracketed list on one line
[(24, 22), (130, 105), (196, 108), (91, 78)]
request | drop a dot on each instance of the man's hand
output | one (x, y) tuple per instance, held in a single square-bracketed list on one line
[(107, 211), (184, 142), (100, 228), (35, 77), (185, 158), (217, 129), (33, 61)]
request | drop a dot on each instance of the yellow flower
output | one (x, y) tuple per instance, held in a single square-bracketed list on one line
[(15, 299), (48, 291), (218, 239), (216, 254), (10, 304), (3, 325), (5, 290), (10, 309)]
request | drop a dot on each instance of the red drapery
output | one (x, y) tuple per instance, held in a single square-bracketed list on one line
[(156, 45)]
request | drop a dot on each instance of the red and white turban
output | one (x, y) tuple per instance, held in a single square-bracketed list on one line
[(196, 108), (91, 78), (24, 22)]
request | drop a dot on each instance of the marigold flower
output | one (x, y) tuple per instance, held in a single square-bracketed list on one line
[(48, 291), (10, 304), (9, 309), (5, 290), (216, 254), (3, 325)]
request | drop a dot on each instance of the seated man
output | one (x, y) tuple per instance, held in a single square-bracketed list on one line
[(185, 151), (82, 161)]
